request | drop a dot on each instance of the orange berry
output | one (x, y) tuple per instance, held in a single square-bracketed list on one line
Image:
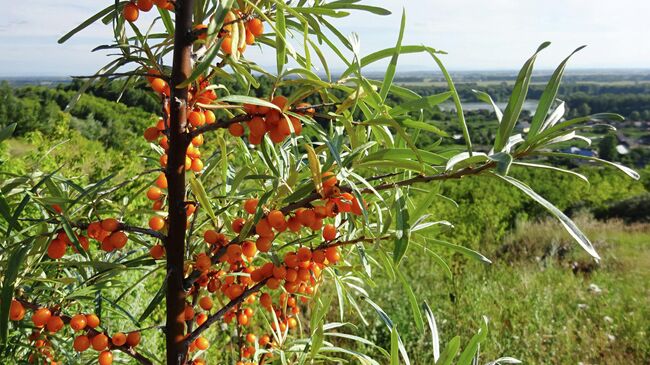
[(151, 134), (105, 358), (265, 300), (145, 5), (203, 262), (291, 259), (263, 228), (264, 340), (226, 45), (304, 254), (92, 320), (205, 303), (248, 249), (154, 193), (256, 126), (157, 252), (196, 118), (250, 206), (242, 319), (188, 313), (201, 318), (81, 343), (54, 324), (211, 236), (280, 101), (110, 224), (201, 343), (156, 223), (279, 272), (251, 338), (234, 251), (332, 255), (118, 239), (236, 129), (273, 283), (198, 140), (238, 224), (329, 232), (197, 165), (100, 342), (292, 275), (56, 249), (250, 38), (276, 219), (294, 224), (41, 316), (255, 26), (159, 85), (118, 339), (133, 339), (292, 322), (318, 256), (329, 179), (78, 322), (130, 12), (296, 124), (250, 109), (255, 139), (209, 116), (16, 311), (306, 217), (263, 244)]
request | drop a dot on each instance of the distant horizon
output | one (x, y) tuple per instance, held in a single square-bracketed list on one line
[(540, 71)]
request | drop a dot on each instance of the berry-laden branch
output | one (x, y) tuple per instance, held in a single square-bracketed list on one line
[(306, 202), (91, 332), (221, 312), (247, 117)]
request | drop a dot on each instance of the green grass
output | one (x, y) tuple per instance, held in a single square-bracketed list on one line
[(539, 310)]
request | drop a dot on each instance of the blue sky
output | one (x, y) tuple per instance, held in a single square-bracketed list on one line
[(478, 35)]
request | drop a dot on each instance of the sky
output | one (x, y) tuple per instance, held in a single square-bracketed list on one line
[(478, 35)]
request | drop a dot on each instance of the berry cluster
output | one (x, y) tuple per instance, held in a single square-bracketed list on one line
[(253, 28), (49, 321), (276, 123), (131, 11), (107, 232)]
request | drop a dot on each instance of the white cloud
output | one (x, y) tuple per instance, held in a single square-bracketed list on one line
[(485, 34)]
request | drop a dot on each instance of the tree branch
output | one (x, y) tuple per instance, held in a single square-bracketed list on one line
[(306, 201), (221, 312)]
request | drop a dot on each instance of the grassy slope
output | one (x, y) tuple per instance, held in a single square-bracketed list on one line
[(539, 311)]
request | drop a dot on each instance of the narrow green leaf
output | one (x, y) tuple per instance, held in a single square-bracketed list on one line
[(392, 65), (516, 102), (10, 275), (548, 96), (450, 352), (454, 94), (280, 41), (394, 346), (567, 223), (426, 102), (435, 339), (92, 19), (401, 227), (199, 192), (461, 249)]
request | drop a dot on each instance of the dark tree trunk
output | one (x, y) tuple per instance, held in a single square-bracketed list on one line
[(178, 142)]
